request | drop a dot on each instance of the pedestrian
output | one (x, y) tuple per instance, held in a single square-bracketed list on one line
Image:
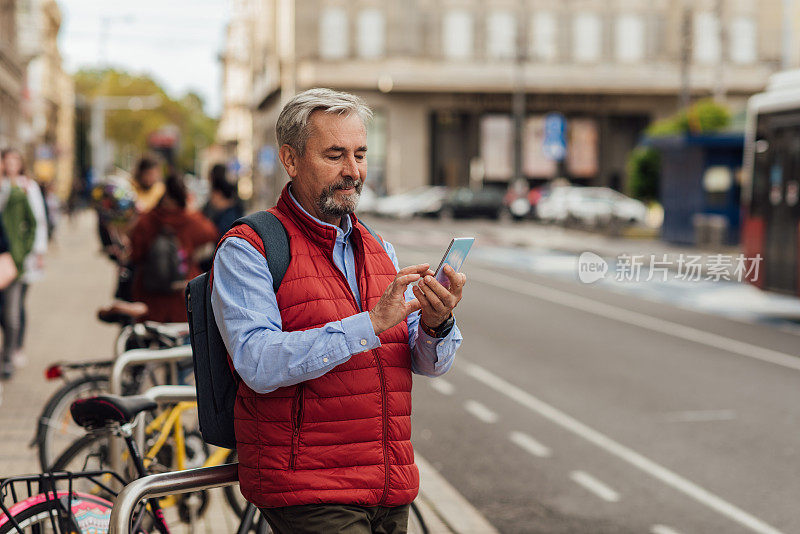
[(32, 268), (166, 246), (224, 206), (8, 272), (323, 408), (148, 183)]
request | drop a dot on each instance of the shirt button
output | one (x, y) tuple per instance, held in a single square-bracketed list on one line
[(429, 342), (363, 342), (325, 360)]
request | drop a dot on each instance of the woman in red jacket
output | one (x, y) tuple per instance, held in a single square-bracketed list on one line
[(169, 229)]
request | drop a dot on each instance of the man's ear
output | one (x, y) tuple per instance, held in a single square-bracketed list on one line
[(289, 159)]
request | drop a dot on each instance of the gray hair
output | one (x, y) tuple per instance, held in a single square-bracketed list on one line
[(292, 127)]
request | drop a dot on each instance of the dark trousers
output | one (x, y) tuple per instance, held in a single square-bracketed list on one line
[(337, 518)]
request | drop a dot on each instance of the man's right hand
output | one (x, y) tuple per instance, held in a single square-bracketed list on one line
[(392, 307)]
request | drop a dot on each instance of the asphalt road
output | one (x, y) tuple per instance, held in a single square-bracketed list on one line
[(572, 409)]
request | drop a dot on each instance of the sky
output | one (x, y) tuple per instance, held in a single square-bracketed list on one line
[(177, 42)]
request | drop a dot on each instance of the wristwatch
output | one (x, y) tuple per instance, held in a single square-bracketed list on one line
[(440, 331)]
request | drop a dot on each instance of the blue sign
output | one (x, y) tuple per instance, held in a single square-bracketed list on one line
[(555, 136), (266, 159)]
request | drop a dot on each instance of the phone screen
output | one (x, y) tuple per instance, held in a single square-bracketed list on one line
[(454, 256)]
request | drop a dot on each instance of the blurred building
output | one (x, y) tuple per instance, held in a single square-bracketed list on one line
[(235, 131), (11, 75), (441, 75), (48, 128)]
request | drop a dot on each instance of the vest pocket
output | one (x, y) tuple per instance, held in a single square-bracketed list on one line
[(297, 422)]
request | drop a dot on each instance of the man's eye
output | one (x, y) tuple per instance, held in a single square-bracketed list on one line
[(334, 158), (361, 157)]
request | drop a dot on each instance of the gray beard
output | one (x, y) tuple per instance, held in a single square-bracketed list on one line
[(328, 205)]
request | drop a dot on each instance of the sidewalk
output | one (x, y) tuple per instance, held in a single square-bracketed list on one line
[(62, 326)]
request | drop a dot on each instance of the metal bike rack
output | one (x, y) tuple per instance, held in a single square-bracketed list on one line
[(142, 356), (167, 394), (164, 484)]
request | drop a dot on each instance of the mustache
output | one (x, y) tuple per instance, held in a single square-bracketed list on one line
[(347, 183)]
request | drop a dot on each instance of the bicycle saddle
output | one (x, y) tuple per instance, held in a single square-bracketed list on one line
[(99, 411), (122, 312)]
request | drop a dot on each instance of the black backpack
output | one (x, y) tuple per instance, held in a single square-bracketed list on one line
[(166, 265), (215, 380)]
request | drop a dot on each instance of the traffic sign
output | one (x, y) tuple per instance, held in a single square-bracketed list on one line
[(555, 141)]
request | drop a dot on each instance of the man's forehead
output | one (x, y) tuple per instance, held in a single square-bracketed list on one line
[(337, 129)]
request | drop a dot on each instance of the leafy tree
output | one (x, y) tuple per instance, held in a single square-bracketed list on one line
[(644, 169), (704, 116), (129, 129)]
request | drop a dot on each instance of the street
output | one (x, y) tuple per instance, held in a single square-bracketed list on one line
[(574, 409)]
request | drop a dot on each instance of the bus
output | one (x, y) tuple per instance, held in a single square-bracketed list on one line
[(771, 184)]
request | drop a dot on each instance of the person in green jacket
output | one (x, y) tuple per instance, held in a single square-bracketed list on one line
[(20, 225)]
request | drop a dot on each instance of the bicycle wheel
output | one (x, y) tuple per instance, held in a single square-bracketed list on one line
[(41, 514), (416, 525), (56, 430), (232, 493), (91, 453)]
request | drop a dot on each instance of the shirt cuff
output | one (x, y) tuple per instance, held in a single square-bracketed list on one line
[(359, 334)]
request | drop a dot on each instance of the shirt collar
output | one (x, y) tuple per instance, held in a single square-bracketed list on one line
[(340, 232)]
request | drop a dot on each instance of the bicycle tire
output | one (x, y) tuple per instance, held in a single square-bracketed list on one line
[(56, 415), (233, 495), (91, 452), (38, 513)]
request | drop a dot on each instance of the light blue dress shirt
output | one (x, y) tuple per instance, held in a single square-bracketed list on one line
[(267, 358)]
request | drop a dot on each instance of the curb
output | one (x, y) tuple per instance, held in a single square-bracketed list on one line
[(444, 508)]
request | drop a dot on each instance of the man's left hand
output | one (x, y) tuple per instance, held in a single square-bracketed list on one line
[(436, 300)]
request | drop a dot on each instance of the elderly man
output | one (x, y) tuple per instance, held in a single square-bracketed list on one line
[(323, 411)]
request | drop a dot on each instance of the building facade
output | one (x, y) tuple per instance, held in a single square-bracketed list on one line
[(11, 75), (47, 133), (441, 77)]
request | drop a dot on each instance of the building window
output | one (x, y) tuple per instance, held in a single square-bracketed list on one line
[(706, 38), (333, 33), (743, 40), (630, 38), (371, 33), (501, 35), (543, 37), (587, 35), (457, 34)]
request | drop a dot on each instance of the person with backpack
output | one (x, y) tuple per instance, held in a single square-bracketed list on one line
[(20, 197), (324, 356), (224, 206), (165, 248)]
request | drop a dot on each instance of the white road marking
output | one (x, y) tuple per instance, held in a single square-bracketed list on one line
[(529, 444), (480, 411), (655, 470), (443, 386), (614, 313), (595, 486), (701, 416), (662, 529)]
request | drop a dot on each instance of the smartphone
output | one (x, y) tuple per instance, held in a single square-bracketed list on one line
[(454, 256)]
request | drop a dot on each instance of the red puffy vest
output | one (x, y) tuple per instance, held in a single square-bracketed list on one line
[(343, 437)]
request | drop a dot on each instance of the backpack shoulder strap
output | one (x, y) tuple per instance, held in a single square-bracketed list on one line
[(276, 242), (371, 231)]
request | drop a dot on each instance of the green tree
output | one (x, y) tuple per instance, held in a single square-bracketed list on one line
[(644, 170), (129, 129)]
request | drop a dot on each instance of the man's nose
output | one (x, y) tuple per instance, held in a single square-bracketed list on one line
[(350, 167)]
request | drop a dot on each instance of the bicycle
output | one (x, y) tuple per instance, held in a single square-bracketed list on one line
[(55, 428), (61, 511)]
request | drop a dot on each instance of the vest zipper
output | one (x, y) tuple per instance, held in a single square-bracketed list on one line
[(297, 421), (385, 421)]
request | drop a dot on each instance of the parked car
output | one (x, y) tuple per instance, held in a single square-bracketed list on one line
[(426, 201), (465, 202), (590, 206)]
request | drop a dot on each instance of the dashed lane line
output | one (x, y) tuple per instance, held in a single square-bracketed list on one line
[(529, 444), (663, 529), (443, 386), (595, 486), (630, 456), (480, 411)]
